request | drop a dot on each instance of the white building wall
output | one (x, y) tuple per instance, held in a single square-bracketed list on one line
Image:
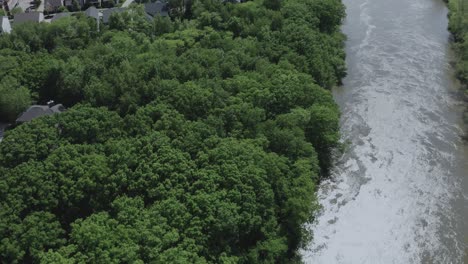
[(6, 26)]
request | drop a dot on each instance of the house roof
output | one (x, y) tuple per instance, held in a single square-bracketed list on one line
[(157, 8), (108, 12), (92, 12), (26, 17), (148, 17), (60, 15), (5, 26), (53, 4), (70, 2), (39, 110)]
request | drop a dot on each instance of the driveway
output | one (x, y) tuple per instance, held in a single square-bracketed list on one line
[(40, 8), (127, 3), (23, 4)]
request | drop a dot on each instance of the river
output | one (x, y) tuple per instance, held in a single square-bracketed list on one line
[(398, 194)]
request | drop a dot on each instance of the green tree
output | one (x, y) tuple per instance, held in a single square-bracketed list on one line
[(194, 138), (16, 10), (14, 100)]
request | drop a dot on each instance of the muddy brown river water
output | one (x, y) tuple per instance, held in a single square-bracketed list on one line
[(399, 192)]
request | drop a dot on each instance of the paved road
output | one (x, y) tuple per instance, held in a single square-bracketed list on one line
[(40, 8), (25, 4), (12, 4)]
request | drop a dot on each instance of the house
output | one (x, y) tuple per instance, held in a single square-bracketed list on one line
[(36, 111), (92, 12), (97, 3), (5, 25), (157, 8), (60, 15), (71, 4), (52, 6), (108, 12), (93, 2), (29, 17)]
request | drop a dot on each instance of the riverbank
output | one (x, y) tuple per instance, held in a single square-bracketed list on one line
[(458, 26)]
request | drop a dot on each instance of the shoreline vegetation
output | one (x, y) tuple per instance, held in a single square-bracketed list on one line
[(458, 26), (198, 138)]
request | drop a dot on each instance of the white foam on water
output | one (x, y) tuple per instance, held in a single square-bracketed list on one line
[(393, 195), (366, 19)]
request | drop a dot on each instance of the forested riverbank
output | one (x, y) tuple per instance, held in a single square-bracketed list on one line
[(196, 139), (458, 25)]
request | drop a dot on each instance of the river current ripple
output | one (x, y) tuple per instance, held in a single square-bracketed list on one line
[(399, 192)]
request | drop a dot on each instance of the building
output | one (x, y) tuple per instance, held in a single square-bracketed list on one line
[(92, 12), (106, 14), (74, 5), (36, 111), (157, 8), (52, 6), (93, 2), (60, 15), (29, 17), (5, 25)]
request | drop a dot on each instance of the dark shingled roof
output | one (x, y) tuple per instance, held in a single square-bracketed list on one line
[(60, 15), (70, 2), (53, 4), (108, 12), (157, 8), (39, 110), (31, 16), (92, 12)]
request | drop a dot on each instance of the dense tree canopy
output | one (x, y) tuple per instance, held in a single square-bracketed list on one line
[(196, 139), (458, 24)]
